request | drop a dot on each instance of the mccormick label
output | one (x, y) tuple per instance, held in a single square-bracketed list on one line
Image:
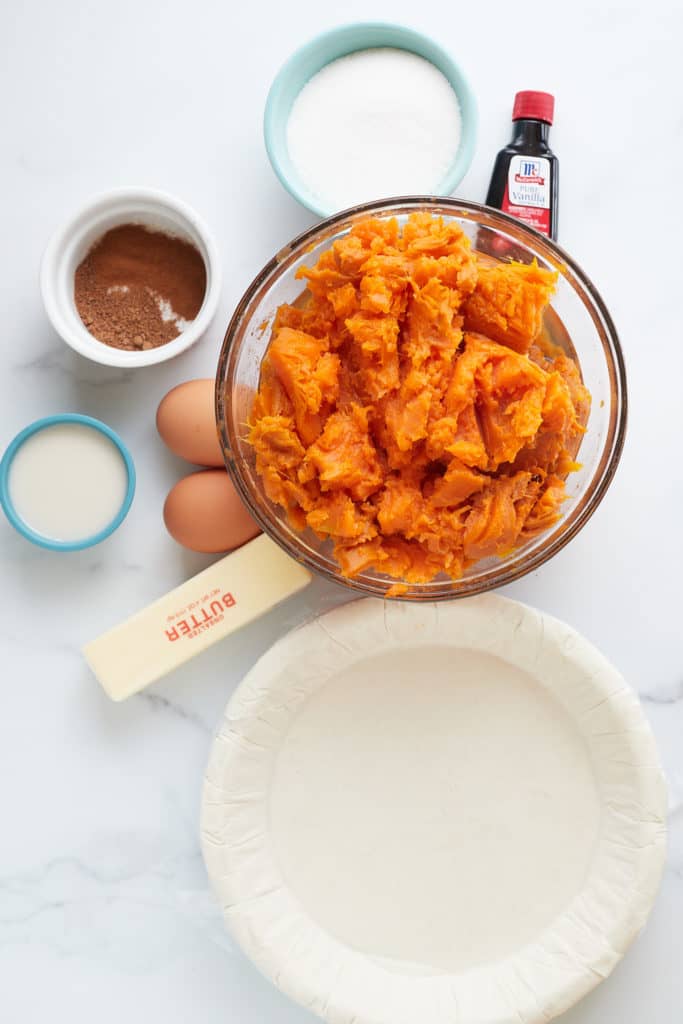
[(527, 193)]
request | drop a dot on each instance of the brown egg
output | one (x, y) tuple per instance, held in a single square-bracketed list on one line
[(187, 425), (204, 512)]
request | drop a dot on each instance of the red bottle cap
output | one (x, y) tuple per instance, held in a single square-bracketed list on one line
[(537, 105)]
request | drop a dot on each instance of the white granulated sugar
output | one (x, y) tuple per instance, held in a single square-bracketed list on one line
[(377, 123)]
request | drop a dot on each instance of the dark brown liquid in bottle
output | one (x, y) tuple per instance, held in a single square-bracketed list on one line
[(525, 178)]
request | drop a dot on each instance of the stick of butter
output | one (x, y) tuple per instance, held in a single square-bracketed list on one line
[(214, 603)]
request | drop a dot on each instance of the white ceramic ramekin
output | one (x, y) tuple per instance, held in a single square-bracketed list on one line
[(69, 244)]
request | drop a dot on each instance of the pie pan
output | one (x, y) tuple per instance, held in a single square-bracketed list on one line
[(427, 812)]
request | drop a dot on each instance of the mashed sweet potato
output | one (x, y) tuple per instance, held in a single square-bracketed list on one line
[(406, 410)]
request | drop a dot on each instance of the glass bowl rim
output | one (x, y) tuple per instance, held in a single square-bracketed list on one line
[(612, 446)]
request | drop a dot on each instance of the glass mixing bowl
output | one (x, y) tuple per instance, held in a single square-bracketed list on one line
[(577, 321)]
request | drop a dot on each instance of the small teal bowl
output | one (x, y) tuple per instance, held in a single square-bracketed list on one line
[(339, 42), (6, 501)]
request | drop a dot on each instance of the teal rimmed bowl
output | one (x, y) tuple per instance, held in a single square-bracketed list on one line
[(339, 42), (21, 526)]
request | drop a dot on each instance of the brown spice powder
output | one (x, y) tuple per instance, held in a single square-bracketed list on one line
[(137, 288)]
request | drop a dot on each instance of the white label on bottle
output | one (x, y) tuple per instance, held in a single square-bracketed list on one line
[(529, 181)]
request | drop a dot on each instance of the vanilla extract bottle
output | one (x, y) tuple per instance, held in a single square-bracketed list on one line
[(525, 176)]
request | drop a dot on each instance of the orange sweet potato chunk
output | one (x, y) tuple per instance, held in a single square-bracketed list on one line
[(337, 515), (309, 374), (344, 457), (508, 302), (407, 410)]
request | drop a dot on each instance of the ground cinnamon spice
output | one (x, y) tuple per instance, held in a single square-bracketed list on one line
[(138, 288)]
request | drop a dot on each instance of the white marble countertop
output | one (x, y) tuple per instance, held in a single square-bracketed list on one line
[(104, 908)]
